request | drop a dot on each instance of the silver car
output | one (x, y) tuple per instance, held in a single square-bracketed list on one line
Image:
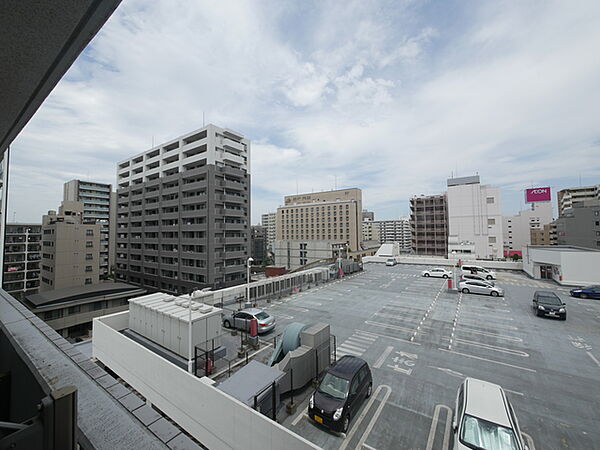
[(241, 320), (438, 272), (479, 287), (469, 277)]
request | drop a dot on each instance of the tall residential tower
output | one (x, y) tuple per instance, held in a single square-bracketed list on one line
[(183, 212)]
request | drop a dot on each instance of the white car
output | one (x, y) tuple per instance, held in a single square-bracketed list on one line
[(479, 287), (437, 272), (485, 418), (478, 270), (390, 262)]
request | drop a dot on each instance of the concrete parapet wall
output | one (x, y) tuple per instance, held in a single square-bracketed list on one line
[(436, 261)]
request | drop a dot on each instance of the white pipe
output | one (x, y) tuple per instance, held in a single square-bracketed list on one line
[(190, 362)]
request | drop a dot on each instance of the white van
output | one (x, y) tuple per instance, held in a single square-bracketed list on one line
[(390, 262), (478, 270)]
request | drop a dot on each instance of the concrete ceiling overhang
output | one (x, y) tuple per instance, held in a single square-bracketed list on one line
[(39, 41)]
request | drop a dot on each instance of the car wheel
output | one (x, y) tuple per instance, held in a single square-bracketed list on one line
[(465, 291), (564, 317), (369, 390), (489, 277), (582, 295), (426, 275), (445, 276), (494, 294), (226, 324), (346, 423), (537, 313)]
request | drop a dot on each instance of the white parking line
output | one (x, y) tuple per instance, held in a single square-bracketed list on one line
[(433, 428), (352, 347), (356, 425), (594, 359), (493, 347), (489, 360), (366, 333), (358, 342), (300, 415), (363, 338), (530, 439), (485, 333), (397, 339), (474, 323), (392, 327), (374, 419), (383, 357), (346, 351)]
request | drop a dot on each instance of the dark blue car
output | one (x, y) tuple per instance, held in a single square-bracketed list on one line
[(586, 292)]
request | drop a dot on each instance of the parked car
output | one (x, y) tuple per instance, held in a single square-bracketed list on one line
[(479, 287), (478, 270), (341, 392), (468, 276), (241, 320), (547, 303), (438, 272), (390, 262), (586, 292), (484, 418)]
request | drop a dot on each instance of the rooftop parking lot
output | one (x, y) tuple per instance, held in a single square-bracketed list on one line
[(422, 341)]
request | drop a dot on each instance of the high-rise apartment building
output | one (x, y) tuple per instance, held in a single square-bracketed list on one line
[(269, 221), (545, 235), (517, 229), (368, 215), (322, 216), (99, 206), (429, 224), (258, 248), (579, 225), (567, 198), (183, 212), (474, 219), (22, 253), (396, 230), (370, 232), (70, 249)]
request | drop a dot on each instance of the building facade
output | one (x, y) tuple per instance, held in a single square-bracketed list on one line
[(546, 235), (22, 254), (295, 254), (258, 248), (70, 249), (567, 198), (517, 230), (474, 219), (269, 222), (99, 206), (183, 213), (580, 225), (334, 216), (429, 225), (396, 230), (370, 232), (368, 215), (3, 204)]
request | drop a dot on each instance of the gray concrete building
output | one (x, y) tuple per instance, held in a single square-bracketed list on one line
[(269, 221), (569, 197), (22, 253), (429, 224), (258, 247), (70, 249), (99, 206), (183, 212), (579, 225), (368, 215)]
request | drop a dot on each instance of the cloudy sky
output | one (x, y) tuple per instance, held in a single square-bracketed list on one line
[(392, 97)]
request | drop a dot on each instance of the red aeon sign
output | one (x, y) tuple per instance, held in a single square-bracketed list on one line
[(541, 194)]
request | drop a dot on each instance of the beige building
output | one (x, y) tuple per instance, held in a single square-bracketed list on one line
[(545, 235), (334, 216), (70, 249), (371, 232)]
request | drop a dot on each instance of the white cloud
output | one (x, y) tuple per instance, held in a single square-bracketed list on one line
[(379, 95)]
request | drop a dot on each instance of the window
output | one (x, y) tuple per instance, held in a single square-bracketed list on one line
[(89, 244), (88, 281), (492, 239), (491, 221), (88, 268), (74, 309), (89, 256), (89, 232), (490, 200)]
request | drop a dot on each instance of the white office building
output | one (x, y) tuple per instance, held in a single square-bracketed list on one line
[(474, 219), (269, 221), (517, 228)]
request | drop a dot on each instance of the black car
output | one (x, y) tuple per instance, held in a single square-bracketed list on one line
[(341, 392), (547, 303)]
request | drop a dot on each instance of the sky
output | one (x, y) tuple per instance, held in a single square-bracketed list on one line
[(393, 97)]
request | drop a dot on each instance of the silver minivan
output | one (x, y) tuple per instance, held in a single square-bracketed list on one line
[(484, 418), (478, 270)]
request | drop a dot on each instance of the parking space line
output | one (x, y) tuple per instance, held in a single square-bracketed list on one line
[(352, 347), (366, 333), (347, 351), (530, 439), (393, 327), (493, 347), (474, 323), (359, 342), (593, 358), (300, 415), (433, 428), (527, 369), (364, 413), (383, 357), (469, 313), (462, 329), (371, 424), (386, 336), (368, 447)]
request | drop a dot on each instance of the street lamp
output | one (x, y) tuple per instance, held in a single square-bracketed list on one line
[(249, 263)]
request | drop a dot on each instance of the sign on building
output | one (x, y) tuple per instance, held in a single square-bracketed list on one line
[(541, 194)]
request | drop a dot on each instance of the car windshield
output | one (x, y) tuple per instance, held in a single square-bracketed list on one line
[(262, 315), (334, 386), (481, 434), (550, 300)]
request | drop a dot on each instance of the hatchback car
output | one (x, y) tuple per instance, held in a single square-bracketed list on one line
[(390, 262), (547, 303), (466, 277), (341, 392), (484, 418), (586, 292), (479, 287), (478, 270), (241, 320), (438, 272)]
